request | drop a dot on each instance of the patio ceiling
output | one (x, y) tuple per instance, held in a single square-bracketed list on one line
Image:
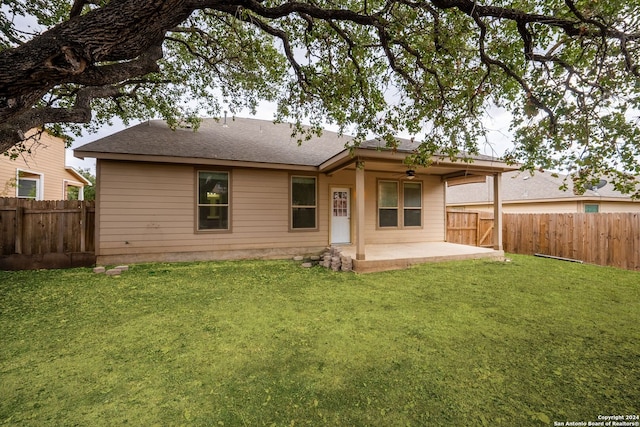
[(388, 161)]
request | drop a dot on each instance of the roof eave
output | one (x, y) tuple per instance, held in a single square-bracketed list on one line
[(75, 173), (192, 161)]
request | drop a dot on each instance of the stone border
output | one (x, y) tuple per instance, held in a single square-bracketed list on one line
[(115, 271)]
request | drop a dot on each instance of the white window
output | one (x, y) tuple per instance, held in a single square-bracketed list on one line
[(29, 185)]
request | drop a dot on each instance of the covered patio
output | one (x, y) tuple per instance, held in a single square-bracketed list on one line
[(374, 158), (403, 255)]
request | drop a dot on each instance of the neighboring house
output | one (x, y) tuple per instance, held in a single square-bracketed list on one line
[(245, 188), (40, 174), (538, 193)]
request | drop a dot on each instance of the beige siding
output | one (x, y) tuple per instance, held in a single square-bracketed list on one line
[(556, 207), (609, 207), (48, 160), (150, 209), (147, 212), (569, 206)]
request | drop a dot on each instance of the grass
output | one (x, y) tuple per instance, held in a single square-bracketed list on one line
[(531, 342)]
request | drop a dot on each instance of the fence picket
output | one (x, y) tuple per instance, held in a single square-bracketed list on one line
[(597, 238), (37, 227)]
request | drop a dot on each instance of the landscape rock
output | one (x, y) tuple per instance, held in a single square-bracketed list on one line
[(113, 272), (99, 270)]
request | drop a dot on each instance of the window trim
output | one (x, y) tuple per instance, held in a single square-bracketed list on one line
[(397, 207), (400, 208), (597, 206), (197, 204), (419, 208), (291, 206)]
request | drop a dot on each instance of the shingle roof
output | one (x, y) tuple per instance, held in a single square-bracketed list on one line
[(409, 145), (522, 186), (237, 139), (240, 139)]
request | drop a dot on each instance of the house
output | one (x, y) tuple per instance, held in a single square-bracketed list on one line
[(40, 174), (244, 188), (523, 192)]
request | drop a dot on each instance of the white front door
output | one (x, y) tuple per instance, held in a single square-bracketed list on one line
[(340, 215)]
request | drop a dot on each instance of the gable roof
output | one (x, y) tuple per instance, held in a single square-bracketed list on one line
[(238, 139), (522, 187)]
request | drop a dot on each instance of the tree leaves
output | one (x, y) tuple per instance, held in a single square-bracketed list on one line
[(567, 71)]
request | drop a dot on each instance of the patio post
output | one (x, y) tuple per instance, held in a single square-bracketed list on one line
[(497, 211), (360, 208)]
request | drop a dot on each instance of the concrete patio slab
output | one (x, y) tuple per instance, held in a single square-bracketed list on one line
[(403, 255)]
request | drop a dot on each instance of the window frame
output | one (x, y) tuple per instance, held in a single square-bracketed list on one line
[(379, 207), (591, 205), (405, 207), (292, 206), (227, 205), (401, 207)]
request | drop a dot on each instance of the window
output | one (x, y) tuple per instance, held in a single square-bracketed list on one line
[(591, 208), (29, 185), (387, 204), (390, 199), (28, 188), (213, 200), (303, 202), (412, 202)]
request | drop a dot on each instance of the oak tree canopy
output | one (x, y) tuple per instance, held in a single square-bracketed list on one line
[(567, 71)]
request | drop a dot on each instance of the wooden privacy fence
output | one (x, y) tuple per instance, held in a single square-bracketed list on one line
[(611, 239), (46, 234), (597, 238), (470, 228)]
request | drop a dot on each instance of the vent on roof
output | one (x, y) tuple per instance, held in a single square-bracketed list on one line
[(596, 186)]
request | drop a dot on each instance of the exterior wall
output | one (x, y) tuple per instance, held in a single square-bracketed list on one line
[(608, 207), (556, 207), (147, 212), (433, 228), (48, 160), (570, 206)]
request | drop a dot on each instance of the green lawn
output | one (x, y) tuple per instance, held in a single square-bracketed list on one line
[(530, 342)]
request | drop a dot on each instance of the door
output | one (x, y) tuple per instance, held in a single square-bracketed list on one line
[(340, 215)]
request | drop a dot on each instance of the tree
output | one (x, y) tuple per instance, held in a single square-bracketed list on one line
[(89, 191), (567, 71)]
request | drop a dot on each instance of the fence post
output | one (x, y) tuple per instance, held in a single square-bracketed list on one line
[(19, 227), (83, 222)]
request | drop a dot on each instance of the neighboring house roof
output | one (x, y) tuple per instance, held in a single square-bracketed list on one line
[(522, 187), (262, 143), (77, 174)]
